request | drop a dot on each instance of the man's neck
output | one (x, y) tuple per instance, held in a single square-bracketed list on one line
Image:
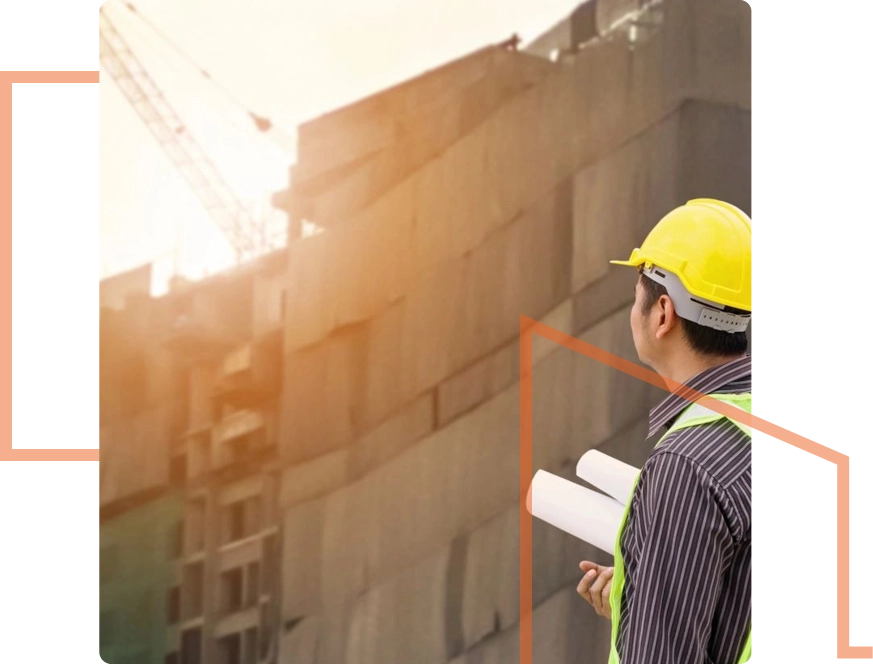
[(686, 366)]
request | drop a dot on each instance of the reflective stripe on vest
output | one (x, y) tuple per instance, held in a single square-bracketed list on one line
[(692, 415)]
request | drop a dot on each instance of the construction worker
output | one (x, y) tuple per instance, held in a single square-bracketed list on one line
[(680, 588)]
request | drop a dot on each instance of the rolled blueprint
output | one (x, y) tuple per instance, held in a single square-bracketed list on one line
[(613, 477), (581, 512)]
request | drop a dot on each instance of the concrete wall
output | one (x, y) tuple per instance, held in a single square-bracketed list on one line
[(400, 419)]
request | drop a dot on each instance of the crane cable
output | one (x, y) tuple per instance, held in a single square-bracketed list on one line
[(262, 123)]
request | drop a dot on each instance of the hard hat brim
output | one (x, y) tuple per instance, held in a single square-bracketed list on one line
[(636, 259)]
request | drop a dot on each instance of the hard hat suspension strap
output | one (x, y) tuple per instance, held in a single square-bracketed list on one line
[(696, 309)]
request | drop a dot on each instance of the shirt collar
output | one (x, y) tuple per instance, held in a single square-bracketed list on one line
[(733, 376)]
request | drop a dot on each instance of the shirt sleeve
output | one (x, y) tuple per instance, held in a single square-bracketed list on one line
[(684, 544)]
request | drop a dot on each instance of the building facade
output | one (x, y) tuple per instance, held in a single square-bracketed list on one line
[(339, 420)]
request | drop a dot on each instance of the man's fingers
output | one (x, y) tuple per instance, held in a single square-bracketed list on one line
[(584, 586), (595, 586), (596, 590)]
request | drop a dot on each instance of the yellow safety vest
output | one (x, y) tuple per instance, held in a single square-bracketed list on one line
[(693, 415)]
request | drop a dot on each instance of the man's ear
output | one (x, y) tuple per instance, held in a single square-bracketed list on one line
[(669, 319)]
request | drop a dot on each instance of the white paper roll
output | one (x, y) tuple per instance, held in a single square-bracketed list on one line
[(581, 512), (613, 477)]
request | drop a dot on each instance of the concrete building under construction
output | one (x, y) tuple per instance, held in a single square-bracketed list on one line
[(313, 458)]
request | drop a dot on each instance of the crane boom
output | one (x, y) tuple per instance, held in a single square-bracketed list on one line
[(246, 236)]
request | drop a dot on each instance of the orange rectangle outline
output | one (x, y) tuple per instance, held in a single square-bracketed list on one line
[(527, 328), (7, 78)]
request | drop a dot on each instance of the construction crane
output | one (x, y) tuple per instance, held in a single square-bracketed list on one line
[(248, 237)]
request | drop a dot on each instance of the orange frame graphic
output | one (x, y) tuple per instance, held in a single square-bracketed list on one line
[(527, 328), (7, 78)]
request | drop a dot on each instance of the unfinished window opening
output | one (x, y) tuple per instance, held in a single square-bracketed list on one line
[(192, 648), (192, 591), (229, 650), (231, 590), (235, 522), (240, 448), (253, 584), (195, 526), (241, 519), (176, 540), (270, 569), (252, 516), (266, 630), (250, 651), (174, 605)]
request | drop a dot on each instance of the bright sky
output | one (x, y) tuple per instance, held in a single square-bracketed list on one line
[(291, 60)]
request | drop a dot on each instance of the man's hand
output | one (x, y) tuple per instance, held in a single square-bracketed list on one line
[(595, 586)]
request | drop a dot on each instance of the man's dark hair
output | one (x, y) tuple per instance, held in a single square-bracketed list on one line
[(704, 340)]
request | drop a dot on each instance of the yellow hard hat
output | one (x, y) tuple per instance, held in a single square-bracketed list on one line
[(707, 244)]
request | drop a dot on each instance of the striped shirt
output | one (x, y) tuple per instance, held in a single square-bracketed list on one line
[(687, 545)]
